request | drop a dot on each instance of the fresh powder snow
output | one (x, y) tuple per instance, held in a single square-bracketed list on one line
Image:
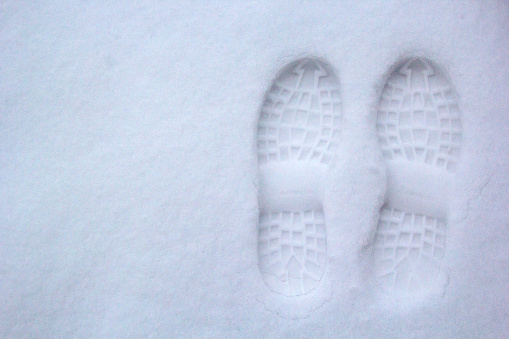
[(254, 168)]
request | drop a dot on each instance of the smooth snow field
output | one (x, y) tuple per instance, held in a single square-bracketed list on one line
[(254, 169)]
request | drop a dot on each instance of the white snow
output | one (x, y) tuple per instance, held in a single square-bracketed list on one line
[(128, 170)]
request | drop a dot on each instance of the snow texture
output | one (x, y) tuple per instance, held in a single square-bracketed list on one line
[(139, 195)]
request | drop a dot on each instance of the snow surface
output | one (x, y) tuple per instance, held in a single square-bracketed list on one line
[(128, 171)]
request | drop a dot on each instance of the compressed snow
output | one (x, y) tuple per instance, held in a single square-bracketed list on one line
[(128, 169)]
